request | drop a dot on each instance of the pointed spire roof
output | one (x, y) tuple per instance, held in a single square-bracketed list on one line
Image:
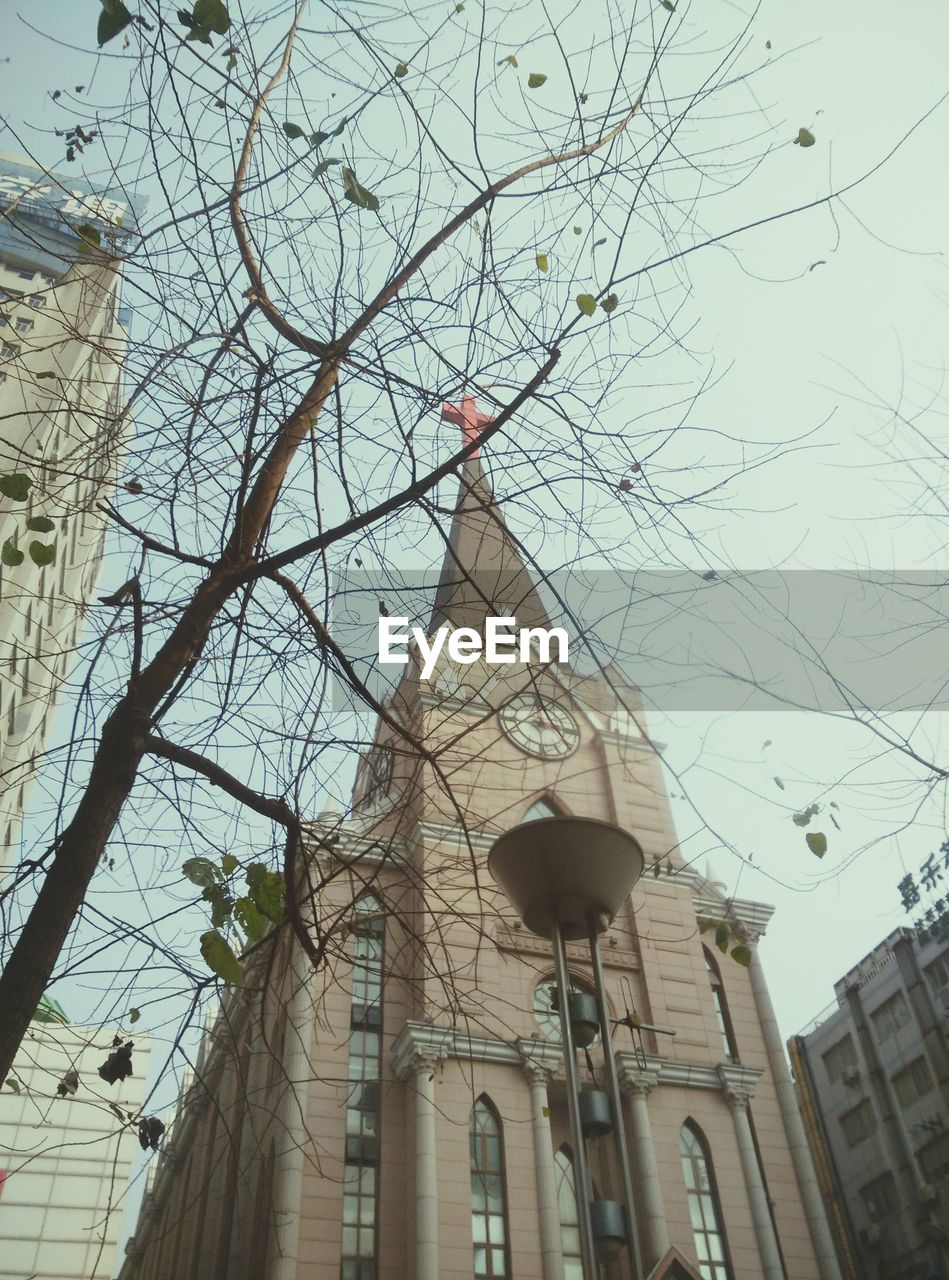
[(483, 574)]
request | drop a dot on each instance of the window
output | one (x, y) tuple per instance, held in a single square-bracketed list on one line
[(8, 350), (542, 808), (488, 1207), (858, 1123), (26, 275), (934, 1159), (938, 971), (11, 295), (23, 326), (891, 1016), (880, 1197), (721, 1009), (840, 1058), (361, 1174), (913, 1082), (36, 300), (569, 1218), (707, 1227), (545, 997)]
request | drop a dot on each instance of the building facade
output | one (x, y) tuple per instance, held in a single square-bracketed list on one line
[(65, 1156), (873, 1074), (398, 1109), (62, 346)]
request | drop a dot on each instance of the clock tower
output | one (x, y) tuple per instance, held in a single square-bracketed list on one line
[(416, 1123)]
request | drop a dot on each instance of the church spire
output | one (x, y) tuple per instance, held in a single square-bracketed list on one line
[(483, 574)]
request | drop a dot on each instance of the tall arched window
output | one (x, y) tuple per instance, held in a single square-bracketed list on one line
[(360, 1177), (705, 1211), (569, 1219), (488, 1193), (542, 808), (729, 1043)]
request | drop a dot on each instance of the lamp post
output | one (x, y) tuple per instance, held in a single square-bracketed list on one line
[(566, 878)]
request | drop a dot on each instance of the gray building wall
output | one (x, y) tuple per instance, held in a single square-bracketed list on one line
[(874, 1071)]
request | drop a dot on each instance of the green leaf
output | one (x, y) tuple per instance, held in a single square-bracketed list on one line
[(220, 959), (357, 193), (212, 15), (40, 524), (13, 1083), (42, 553), (587, 303), (266, 890), (322, 167), (578, 231), (742, 954), (47, 373), (228, 863), (9, 555), (510, 60), (134, 1015), (667, 4), (113, 19), (805, 138), (610, 303), (231, 62), (250, 919), (535, 80), (317, 139), (222, 904), (292, 130), (200, 871), (89, 238), (15, 486), (779, 784), (400, 71), (542, 262), (722, 934), (817, 843), (459, 8)]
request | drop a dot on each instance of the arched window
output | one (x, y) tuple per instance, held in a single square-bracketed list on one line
[(708, 1228), (721, 1008), (542, 808), (360, 1177), (569, 1218), (488, 1194)]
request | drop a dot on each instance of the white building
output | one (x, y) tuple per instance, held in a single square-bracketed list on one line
[(65, 1159), (61, 353)]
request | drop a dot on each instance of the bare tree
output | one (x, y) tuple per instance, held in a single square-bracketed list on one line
[(354, 217)]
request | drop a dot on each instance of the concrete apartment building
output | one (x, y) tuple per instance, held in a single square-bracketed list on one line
[(873, 1074), (400, 1113), (64, 1158), (62, 345)]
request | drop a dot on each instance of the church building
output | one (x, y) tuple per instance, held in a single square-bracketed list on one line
[(397, 1110)]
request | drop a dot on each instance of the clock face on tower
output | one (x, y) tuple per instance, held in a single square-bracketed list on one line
[(541, 728)]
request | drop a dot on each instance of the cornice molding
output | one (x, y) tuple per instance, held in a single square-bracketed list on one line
[(738, 1084)]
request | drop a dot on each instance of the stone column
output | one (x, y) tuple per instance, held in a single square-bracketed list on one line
[(811, 1196), (418, 1051), (738, 1093), (551, 1242), (636, 1082)]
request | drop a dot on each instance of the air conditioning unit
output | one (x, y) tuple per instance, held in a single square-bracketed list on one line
[(851, 1075)]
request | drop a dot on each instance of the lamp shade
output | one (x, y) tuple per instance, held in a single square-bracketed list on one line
[(565, 870)]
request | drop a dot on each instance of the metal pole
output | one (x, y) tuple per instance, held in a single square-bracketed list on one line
[(616, 1098), (581, 1173)]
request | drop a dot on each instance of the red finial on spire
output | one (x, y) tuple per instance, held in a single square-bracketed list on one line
[(467, 417)]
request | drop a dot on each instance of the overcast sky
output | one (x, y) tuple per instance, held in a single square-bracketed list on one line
[(803, 343)]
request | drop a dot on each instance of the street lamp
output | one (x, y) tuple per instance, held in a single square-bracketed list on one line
[(567, 878)]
